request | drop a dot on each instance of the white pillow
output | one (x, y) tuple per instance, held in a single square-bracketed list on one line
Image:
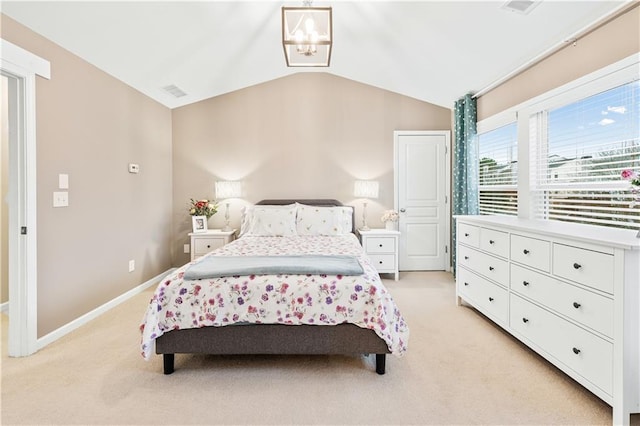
[(269, 220), (315, 220)]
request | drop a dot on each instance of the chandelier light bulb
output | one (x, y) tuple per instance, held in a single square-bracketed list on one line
[(309, 25)]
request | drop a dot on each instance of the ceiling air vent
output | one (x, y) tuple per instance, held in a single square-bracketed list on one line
[(520, 6), (174, 90)]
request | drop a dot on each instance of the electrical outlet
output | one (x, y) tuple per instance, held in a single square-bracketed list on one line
[(134, 168), (132, 265), (187, 248)]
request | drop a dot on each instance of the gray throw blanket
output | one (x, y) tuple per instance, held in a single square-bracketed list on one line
[(225, 266)]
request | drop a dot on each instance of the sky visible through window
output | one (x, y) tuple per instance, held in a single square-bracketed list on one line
[(606, 121)]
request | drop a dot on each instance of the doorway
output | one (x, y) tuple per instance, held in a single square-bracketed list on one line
[(422, 185), (4, 192), (20, 67)]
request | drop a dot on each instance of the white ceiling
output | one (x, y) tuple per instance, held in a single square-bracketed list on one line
[(434, 51)]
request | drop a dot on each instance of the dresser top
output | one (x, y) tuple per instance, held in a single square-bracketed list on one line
[(614, 237)]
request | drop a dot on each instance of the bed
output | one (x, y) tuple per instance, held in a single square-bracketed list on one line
[(290, 312)]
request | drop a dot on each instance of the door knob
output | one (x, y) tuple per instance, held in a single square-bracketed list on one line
[(402, 210)]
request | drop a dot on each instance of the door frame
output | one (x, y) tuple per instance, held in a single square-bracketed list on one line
[(447, 180), (23, 66)]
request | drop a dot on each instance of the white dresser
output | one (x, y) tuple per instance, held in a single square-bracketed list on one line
[(571, 292)]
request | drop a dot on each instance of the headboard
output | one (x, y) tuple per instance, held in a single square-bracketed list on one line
[(320, 202)]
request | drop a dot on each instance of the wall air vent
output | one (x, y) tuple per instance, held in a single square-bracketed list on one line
[(174, 90), (520, 6)]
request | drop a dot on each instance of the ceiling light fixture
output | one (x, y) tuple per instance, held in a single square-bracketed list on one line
[(307, 35)]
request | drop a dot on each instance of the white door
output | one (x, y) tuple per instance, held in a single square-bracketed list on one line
[(421, 197)]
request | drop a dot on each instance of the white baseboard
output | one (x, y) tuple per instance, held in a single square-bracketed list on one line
[(68, 328), (4, 308)]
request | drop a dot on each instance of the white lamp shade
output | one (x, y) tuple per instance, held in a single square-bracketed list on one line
[(228, 189), (366, 189)]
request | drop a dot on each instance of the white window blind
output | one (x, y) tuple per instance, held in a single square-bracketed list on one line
[(578, 152), (498, 170)]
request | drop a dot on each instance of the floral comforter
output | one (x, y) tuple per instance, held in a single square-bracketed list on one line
[(277, 299)]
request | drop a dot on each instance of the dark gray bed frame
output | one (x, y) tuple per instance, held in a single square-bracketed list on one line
[(268, 339)]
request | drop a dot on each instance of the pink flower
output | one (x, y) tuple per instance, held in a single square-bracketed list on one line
[(628, 174)]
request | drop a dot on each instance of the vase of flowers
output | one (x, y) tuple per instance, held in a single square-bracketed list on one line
[(634, 180), (206, 208), (390, 217)]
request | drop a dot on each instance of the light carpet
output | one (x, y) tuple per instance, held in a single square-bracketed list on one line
[(459, 369)]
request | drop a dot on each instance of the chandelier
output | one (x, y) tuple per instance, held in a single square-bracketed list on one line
[(307, 35)]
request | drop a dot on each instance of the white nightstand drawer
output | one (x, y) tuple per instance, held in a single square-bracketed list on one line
[(496, 242), (531, 252), (587, 267), (380, 245), (469, 234), (580, 350), (205, 245), (383, 262), (484, 264), (492, 299), (592, 310)]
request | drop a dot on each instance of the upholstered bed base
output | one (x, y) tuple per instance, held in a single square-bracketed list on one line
[(342, 339)]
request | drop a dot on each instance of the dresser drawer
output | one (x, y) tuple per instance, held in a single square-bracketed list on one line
[(591, 268), (590, 309), (495, 242), (205, 245), (531, 252), (581, 351), (491, 299), (468, 234), (484, 264), (380, 245), (383, 262)]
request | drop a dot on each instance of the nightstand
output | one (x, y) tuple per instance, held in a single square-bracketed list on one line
[(204, 242), (381, 245)]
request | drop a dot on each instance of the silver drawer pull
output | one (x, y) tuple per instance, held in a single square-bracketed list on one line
[(576, 351), (576, 305), (525, 320), (525, 251), (577, 266), (525, 283)]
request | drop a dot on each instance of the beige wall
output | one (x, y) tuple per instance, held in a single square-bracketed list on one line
[(308, 135), (610, 43), (90, 126)]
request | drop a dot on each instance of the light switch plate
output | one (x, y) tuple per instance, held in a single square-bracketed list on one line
[(187, 248), (60, 199), (63, 181)]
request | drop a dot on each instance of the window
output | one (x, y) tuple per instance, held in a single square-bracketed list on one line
[(498, 170), (578, 151)]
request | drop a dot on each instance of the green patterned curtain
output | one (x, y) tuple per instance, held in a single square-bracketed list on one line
[(465, 163)]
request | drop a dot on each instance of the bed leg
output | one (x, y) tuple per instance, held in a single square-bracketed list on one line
[(380, 363), (168, 363)]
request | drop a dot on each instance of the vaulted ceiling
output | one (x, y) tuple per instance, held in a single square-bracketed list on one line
[(434, 51)]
